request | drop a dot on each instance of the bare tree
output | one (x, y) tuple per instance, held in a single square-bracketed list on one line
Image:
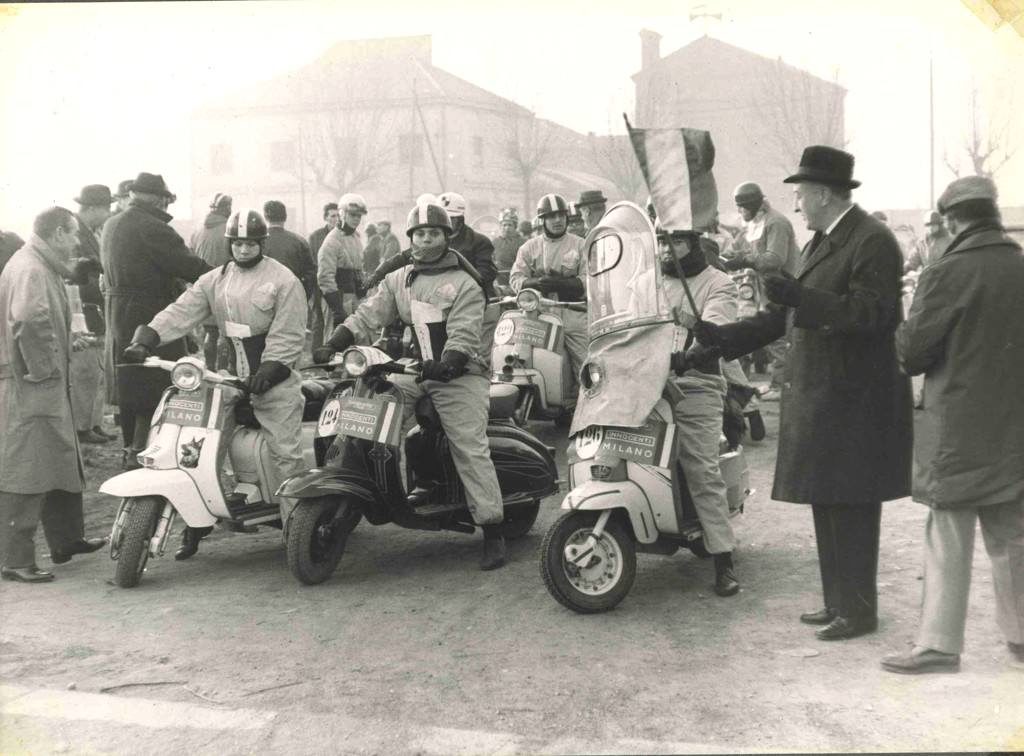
[(346, 147), (527, 147), (614, 160), (987, 145), (797, 109)]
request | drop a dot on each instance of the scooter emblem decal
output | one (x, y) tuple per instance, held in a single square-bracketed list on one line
[(190, 451)]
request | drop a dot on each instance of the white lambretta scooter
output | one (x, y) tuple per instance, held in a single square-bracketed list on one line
[(200, 464)]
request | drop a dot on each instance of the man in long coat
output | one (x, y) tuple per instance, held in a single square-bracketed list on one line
[(965, 332), (41, 473), (845, 431), (147, 258)]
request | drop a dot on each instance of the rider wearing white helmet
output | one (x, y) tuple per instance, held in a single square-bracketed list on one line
[(340, 261), (444, 304)]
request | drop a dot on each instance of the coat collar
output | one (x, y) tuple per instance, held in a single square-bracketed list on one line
[(976, 237), (150, 210), (49, 256), (828, 243)]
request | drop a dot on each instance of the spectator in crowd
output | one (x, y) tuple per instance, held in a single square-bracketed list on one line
[(10, 243), (41, 473), (208, 244), (122, 199), (768, 244), (845, 429), (289, 249), (525, 229), (371, 254), (931, 248), (507, 242), (965, 333), (87, 365), (147, 259), (576, 225), (389, 244), (592, 205), (340, 262), (316, 240)]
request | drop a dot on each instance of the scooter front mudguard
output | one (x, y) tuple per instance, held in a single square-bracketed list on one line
[(319, 482), (598, 495), (173, 485)]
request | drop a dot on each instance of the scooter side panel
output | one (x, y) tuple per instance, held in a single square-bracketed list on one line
[(325, 482), (174, 485), (596, 495)]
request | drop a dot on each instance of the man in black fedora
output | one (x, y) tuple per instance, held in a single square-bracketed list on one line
[(592, 205), (845, 431), (146, 259)]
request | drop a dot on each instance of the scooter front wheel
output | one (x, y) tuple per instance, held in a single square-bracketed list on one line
[(604, 579), (139, 525), (317, 538)]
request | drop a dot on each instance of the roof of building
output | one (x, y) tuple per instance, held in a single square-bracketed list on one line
[(705, 47), (361, 73)]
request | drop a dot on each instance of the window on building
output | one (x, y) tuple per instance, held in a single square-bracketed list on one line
[(282, 156), (221, 159), (410, 149), (478, 151)]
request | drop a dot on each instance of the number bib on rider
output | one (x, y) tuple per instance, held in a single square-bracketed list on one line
[(371, 419), (653, 443)]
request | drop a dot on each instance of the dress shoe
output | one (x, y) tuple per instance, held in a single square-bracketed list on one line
[(726, 583), (103, 434), (756, 425), (89, 437), (494, 555), (920, 661), (81, 546), (129, 460), (842, 628), (190, 539), (820, 617), (26, 574)]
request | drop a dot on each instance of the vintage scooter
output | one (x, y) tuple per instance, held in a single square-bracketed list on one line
[(529, 353), (628, 493), (200, 463), (358, 438)]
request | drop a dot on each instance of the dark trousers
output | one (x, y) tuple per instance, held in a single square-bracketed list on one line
[(847, 537), (63, 523), (135, 428)]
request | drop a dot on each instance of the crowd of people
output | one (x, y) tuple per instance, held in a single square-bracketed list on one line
[(92, 294)]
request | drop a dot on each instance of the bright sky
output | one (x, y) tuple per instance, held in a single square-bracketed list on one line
[(97, 92)]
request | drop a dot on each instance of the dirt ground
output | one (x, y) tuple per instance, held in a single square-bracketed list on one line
[(409, 636)]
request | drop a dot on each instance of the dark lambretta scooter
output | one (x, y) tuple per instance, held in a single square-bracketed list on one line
[(357, 444)]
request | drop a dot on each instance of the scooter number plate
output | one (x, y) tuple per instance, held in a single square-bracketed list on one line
[(327, 425)]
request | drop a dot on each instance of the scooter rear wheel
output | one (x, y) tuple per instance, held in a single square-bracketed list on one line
[(316, 541), (598, 585), (139, 525)]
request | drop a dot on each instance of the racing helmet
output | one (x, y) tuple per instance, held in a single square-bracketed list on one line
[(428, 214), (454, 203), (552, 203), (246, 224), (351, 202), (427, 197)]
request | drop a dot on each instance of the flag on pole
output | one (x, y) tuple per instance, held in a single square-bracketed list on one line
[(677, 164)]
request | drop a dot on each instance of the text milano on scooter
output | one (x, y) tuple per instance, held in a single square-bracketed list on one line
[(627, 492)]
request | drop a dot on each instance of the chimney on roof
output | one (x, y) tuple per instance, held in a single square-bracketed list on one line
[(650, 48)]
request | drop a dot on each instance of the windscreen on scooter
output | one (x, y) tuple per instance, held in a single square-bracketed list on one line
[(630, 323)]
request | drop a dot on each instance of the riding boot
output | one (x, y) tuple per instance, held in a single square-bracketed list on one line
[(726, 583), (190, 539), (494, 555), (129, 460)]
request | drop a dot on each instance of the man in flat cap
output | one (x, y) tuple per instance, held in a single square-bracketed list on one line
[(592, 205), (965, 333), (845, 429)]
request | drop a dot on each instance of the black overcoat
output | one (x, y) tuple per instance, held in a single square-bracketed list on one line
[(845, 427), (146, 260)]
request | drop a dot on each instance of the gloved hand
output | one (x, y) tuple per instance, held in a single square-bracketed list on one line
[(708, 334), (734, 263), (269, 374), (534, 283), (451, 365), (333, 300), (781, 288), (566, 287), (83, 267), (144, 341), (340, 340), (700, 357)]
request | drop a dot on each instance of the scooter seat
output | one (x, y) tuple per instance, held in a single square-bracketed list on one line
[(504, 397)]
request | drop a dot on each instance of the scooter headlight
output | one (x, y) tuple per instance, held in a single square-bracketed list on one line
[(746, 292), (528, 300), (592, 375), (187, 375), (355, 363)]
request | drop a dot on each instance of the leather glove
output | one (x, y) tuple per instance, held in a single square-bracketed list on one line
[(708, 334), (734, 263), (333, 300), (568, 288), (340, 340), (781, 288), (700, 357), (534, 283), (269, 374), (451, 365), (82, 268), (144, 341)]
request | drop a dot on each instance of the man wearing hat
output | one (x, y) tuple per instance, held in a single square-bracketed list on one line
[(147, 257), (87, 369), (592, 205), (931, 248), (507, 243), (210, 244), (845, 429), (965, 333)]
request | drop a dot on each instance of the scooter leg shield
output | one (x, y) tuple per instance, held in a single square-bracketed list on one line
[(597, 495), (174, 485), (318, 482)]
